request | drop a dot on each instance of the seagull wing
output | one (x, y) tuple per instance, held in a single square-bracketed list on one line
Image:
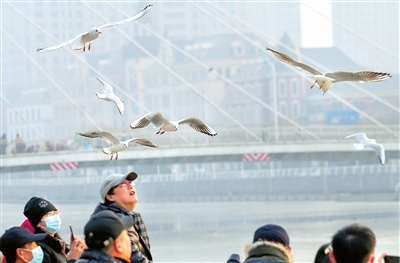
[(108, 89), (360, 137), (119, 103), (44, 49), (142, 141), (362, 76), (285, 58), (380, 151), (108, 137), (198, 125), (130, 19), (156, 118)]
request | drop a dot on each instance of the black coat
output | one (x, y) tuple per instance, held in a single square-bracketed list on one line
[(93, 256), (54, 250)]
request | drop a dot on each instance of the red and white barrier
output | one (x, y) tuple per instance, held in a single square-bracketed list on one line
[(255, 157), (64, 166)]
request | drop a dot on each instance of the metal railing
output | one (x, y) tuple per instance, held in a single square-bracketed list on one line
[(352, 170), (227, 136)]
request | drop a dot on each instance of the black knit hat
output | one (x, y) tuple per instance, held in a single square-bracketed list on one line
[(36, 208), (272, 233)]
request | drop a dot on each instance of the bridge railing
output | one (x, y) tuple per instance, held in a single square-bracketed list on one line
[(227, 136), (352, 170)]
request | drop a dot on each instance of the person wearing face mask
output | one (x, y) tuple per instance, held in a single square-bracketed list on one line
[(19, 246), (45, 218)]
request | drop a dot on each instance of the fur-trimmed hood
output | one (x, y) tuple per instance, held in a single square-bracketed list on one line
[(267, 250)]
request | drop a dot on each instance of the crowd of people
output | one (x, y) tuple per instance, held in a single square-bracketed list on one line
[(117, 233), (18, 145)]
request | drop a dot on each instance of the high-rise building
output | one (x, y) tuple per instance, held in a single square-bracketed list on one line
[(368, 32)]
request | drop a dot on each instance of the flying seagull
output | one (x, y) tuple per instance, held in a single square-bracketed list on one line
[(364, 141), (117, 145), (325, 81), (109, 95), (158, 120), (87, 37)]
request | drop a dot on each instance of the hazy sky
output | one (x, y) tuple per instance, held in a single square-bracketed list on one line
[(316, 29)]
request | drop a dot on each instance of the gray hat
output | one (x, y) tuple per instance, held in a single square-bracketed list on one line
[(114, 180)]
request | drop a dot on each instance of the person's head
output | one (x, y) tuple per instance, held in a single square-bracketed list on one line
[(272, 233), (108, 233), (322, 254), (43, 215), (354, 243), (19, 245), (120, 189)]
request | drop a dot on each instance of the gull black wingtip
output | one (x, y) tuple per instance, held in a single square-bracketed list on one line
[(148, 6)]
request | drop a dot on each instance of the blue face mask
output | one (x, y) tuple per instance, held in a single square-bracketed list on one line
[(37, 255), (53, 224)]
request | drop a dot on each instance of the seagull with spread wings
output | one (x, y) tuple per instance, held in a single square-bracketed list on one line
[(87, 37), (364, 141), (325, 81), (117, 145), (109, 95), (158, 120)]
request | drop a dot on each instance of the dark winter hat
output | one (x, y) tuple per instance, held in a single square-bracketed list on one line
[(17, 237), (104, 227), (114, 180), (36, 208), (272, 233)]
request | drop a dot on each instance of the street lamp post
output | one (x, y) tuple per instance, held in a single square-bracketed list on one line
[(275, 99)]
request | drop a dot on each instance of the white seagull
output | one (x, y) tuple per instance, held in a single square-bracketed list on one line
[(325, 81), (364, 141), (158, 120), (117, 145), (109, 95), (87, 37)]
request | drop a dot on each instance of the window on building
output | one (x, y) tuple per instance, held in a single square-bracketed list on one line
[(282, 89), (296, 110), (295, 88), (283, 107), (238, 49)]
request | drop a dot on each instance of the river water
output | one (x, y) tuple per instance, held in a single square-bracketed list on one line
[(212, 231)]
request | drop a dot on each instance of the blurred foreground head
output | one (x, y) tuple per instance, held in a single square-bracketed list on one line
[(353, 244)]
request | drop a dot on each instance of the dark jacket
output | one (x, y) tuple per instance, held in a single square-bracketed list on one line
[(138, 234), (92, 256), (54, 249), (267, 252)]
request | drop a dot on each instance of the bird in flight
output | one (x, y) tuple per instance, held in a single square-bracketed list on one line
[(117, 145), (364, 141), (326, 80), (87, 37), (109, 95), (158, 121)]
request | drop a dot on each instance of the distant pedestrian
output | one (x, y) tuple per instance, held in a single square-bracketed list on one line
[(19, 144), (3, 144)]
